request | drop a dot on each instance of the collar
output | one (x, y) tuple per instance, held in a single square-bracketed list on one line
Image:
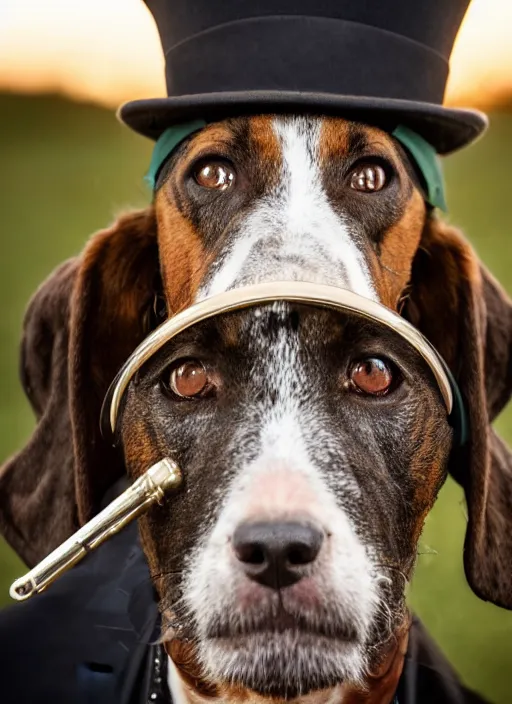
[(157, 688)]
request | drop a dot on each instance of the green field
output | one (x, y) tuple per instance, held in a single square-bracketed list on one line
[(67, 169)]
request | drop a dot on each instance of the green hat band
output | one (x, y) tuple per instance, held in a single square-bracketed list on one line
[(422, 153), (166, 144)]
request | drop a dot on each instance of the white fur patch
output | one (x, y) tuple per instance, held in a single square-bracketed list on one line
[(334, 695), (282, 471), (294, 233), (176, 686)]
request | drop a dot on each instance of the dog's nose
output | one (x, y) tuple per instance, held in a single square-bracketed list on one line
[(274, 554)]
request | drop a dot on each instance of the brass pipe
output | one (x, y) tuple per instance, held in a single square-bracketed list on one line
[(147, 490)]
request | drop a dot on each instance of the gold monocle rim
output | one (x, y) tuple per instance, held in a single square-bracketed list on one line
[(259, 294)]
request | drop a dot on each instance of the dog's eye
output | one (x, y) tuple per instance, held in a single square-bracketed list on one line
[(189, 379), (215, 175), (371, 375), (368, 178)]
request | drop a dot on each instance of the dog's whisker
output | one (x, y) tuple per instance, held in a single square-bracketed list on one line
[(166, 573), (395, 569), (176, 607)]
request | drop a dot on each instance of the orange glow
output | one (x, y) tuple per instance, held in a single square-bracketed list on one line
[(481, 66), (108, 51)]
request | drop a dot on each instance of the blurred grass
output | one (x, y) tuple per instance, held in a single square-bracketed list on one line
[(66, 170)]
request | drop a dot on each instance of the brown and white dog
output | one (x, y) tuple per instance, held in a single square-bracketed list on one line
[(312, 446)]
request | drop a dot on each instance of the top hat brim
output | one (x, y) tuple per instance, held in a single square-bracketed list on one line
[(447, 129)]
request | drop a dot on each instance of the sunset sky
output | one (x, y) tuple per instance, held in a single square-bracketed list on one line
[(108, 50)]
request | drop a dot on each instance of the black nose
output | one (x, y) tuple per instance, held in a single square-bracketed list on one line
[(274, 554)]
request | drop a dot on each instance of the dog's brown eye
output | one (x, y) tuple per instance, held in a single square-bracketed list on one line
[(215, 175), (368, 178), (371, 376), (189, 379)]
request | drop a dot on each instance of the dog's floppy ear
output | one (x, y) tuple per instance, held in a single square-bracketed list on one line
[(79, 328), (467, 316), (37, 489), (115, 288)]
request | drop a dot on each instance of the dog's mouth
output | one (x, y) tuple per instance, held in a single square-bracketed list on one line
[(279, 622), (280, 653)]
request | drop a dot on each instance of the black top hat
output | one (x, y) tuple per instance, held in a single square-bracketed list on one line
[(379, 61)]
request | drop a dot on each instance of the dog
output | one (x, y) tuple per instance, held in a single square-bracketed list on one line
[(313, 447)]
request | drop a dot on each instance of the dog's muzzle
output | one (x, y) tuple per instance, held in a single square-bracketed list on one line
[(165, 475)]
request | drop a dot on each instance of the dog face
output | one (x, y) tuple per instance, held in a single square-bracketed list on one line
[(268, 198), (312, 447)]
